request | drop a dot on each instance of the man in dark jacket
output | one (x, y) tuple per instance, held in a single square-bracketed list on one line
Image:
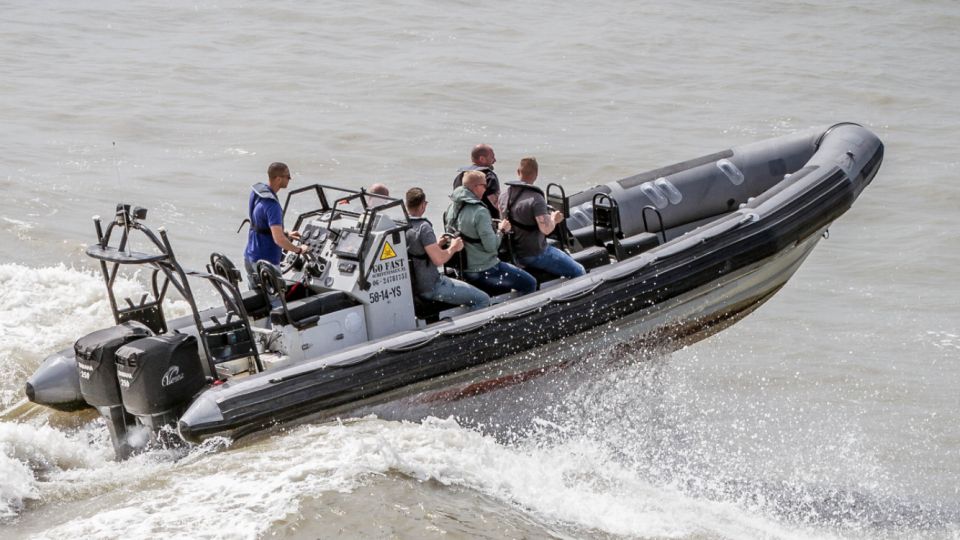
[(483, 159)]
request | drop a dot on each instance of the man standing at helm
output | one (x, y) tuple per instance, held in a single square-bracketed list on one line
[(483, 159), (266, 239)]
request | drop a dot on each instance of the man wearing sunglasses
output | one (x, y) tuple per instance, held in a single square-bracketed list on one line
[(266, 239), (469, 218)]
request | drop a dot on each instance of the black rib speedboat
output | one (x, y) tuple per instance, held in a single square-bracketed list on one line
[(673, 255)]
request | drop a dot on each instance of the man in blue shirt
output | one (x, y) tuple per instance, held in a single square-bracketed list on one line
[(266, 239)]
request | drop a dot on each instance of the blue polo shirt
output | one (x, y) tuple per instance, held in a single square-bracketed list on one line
[(264, 211)]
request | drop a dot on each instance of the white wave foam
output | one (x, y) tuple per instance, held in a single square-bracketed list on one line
[(243, 492), (16, 486), (26, 451), (40, 307), (43, 310)]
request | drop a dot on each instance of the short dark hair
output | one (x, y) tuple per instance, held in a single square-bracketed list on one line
[(276, 169), (414, 198), (528, 165)]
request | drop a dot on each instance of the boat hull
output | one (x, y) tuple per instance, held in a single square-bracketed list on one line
[(661, 329), (684, 289)]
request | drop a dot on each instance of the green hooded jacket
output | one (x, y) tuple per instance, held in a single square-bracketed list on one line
[(468, 216)]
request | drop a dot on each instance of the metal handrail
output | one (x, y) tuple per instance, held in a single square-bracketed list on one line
[(614, 223), (562, 231), (165, 261), (643, 214)]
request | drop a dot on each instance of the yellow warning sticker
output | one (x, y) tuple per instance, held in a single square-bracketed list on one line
[(388, 252)]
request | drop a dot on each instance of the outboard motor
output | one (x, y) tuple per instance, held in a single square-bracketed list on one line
[(158, 376), (96, 364)]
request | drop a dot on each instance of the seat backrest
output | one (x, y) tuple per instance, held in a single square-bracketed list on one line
[(303, 313)]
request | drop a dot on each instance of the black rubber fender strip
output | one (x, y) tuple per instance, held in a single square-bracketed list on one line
[(524, 312), (574, 296), (465, 330), (414, 346)]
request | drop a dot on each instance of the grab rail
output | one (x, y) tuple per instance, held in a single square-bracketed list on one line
[(608, 218), (562, 231), (643, 213)]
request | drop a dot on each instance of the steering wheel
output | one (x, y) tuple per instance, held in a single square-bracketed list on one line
[(292, 262)]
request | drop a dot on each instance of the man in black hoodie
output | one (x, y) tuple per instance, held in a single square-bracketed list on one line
[(483, 159)]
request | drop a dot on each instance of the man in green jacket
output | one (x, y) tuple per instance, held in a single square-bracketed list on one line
[(469, 217)]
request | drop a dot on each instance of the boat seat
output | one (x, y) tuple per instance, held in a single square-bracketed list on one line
[(592, 257), (256, 303), (633, 245), (303, 313), (542, 276), (584, 235), (429, 310)]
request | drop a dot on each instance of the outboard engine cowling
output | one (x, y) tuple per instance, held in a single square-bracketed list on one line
[(158, 376), (96, 365)]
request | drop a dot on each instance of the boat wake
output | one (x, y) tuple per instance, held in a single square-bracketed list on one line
[(559, 475), (32, 457), (561, 478)]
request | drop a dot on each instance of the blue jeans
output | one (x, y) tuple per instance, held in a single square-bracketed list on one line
[(451, 291), (502, 278), (253, 280), (554, 261)]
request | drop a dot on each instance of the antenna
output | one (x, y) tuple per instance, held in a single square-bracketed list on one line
[(116, 163)]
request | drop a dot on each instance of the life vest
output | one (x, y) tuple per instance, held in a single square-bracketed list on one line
[(512, 200), (423, 256), (458, 180), (261, 191), (488, 174), (459, 258), (452, 225)]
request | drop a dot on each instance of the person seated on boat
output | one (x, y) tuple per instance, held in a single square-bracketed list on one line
[(525, 207), (483, 159), (266, 239), (377, 189), (426, 256), (469, 218)]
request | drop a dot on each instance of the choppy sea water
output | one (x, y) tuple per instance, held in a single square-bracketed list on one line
[(830, 412)]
